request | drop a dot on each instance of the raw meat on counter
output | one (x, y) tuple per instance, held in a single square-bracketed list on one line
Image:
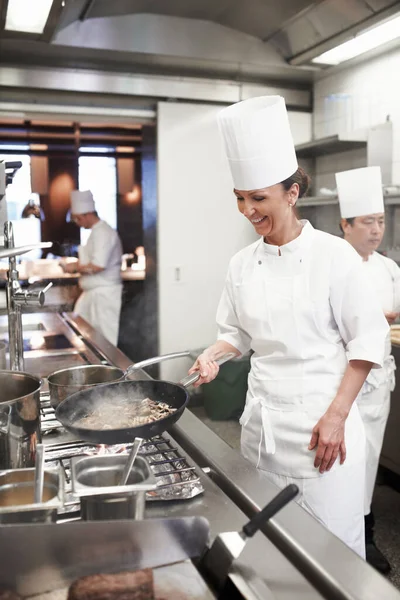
[(137, 585)]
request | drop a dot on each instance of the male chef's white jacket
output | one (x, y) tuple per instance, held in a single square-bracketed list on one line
[(100, 301), (300, 308), (374, 403)]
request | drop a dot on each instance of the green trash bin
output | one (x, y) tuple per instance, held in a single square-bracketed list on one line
[(225, 397)]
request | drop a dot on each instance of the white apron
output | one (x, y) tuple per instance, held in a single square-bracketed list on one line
[(288, 392), (101, 297), (101, 307)]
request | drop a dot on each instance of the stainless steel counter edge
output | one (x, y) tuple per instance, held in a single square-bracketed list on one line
[(335, 570)]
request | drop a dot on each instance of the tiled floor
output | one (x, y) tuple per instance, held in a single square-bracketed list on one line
[(386, 500)]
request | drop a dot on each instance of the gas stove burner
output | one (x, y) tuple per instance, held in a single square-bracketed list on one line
[(176, 478)]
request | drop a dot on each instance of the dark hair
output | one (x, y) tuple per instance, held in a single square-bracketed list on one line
[(350, 221), (301, 178)]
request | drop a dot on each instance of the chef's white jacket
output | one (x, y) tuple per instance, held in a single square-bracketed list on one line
[(300, 308), (100, 301)]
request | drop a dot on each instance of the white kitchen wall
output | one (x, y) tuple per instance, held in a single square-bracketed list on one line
[(360, 97), (327, 166), (199, 226)]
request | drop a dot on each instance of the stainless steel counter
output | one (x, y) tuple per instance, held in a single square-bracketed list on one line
[(290, 543)]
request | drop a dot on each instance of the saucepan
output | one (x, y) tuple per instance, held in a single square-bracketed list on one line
[(107, 400), (66, 382)]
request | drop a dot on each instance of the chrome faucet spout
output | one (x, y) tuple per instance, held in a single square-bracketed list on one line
[(17, 297)]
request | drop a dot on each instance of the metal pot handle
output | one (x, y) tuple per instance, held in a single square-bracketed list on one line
[(186, 381)]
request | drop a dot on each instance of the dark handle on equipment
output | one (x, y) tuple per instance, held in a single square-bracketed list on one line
[(283, 498), (16, 164)]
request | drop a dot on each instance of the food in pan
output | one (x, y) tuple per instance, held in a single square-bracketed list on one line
[(123, 414), (137, 585)]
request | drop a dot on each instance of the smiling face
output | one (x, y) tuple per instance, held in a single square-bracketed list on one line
[(365, 234), (270, 209)]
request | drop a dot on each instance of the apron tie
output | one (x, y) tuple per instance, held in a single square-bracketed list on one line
[(266, 427)]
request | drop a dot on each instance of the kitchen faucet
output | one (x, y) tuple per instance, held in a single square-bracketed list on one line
[(17, 297)]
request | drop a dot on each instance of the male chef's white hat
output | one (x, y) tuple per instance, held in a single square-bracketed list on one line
[(82, 202), (258, 142), (360, 192)]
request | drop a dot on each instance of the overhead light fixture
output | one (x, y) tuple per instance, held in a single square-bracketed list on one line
[(28, 16), (363, 42), (96, 149)]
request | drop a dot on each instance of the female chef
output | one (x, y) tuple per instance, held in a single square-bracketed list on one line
[(297, 298)]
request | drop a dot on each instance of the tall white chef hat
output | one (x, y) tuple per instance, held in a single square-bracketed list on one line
[(258, 142), (82, 202), (360, 192)]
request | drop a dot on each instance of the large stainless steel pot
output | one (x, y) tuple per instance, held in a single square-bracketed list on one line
[(17, 503), (19, 419), (95, 479), (66, 382)]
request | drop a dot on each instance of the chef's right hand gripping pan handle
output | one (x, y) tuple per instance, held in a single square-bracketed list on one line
[(283, 498), (190, 379)]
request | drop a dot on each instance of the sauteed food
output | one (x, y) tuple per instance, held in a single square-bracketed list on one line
[(122, 414)]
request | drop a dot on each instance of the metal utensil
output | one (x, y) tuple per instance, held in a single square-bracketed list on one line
[(39, 473), (131, 459), (228, 546)]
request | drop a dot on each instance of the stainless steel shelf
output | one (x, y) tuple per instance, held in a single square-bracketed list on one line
[(329, 145)]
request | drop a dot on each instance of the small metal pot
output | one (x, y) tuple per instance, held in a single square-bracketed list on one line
[(95, 480), (19, 419), (17, 488), (66, 382)]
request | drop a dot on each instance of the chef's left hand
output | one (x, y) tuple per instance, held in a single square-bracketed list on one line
[(328, 438)]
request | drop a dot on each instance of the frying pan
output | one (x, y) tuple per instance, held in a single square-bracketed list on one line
[(82, 403)]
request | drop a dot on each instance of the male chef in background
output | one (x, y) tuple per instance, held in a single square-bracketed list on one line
[(100, 268), (363, 224)]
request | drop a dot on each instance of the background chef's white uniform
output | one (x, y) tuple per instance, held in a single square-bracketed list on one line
[(100, 300), (298, 307), (374, 403), (360, 194)]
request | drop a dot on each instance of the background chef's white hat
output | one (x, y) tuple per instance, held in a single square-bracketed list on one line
[(82, 202), (360, 192), (258, 142)]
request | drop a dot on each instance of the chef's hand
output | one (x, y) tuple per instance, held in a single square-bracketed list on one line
[(328, 438), (391, 317), (207, 366)]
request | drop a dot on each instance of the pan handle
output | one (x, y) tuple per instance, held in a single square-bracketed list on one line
[(154, 361), (186, 381), (190, 379)]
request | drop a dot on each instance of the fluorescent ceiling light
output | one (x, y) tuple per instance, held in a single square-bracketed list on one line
[(374, 37), (96, 149), (29, 16), (5, 147)]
